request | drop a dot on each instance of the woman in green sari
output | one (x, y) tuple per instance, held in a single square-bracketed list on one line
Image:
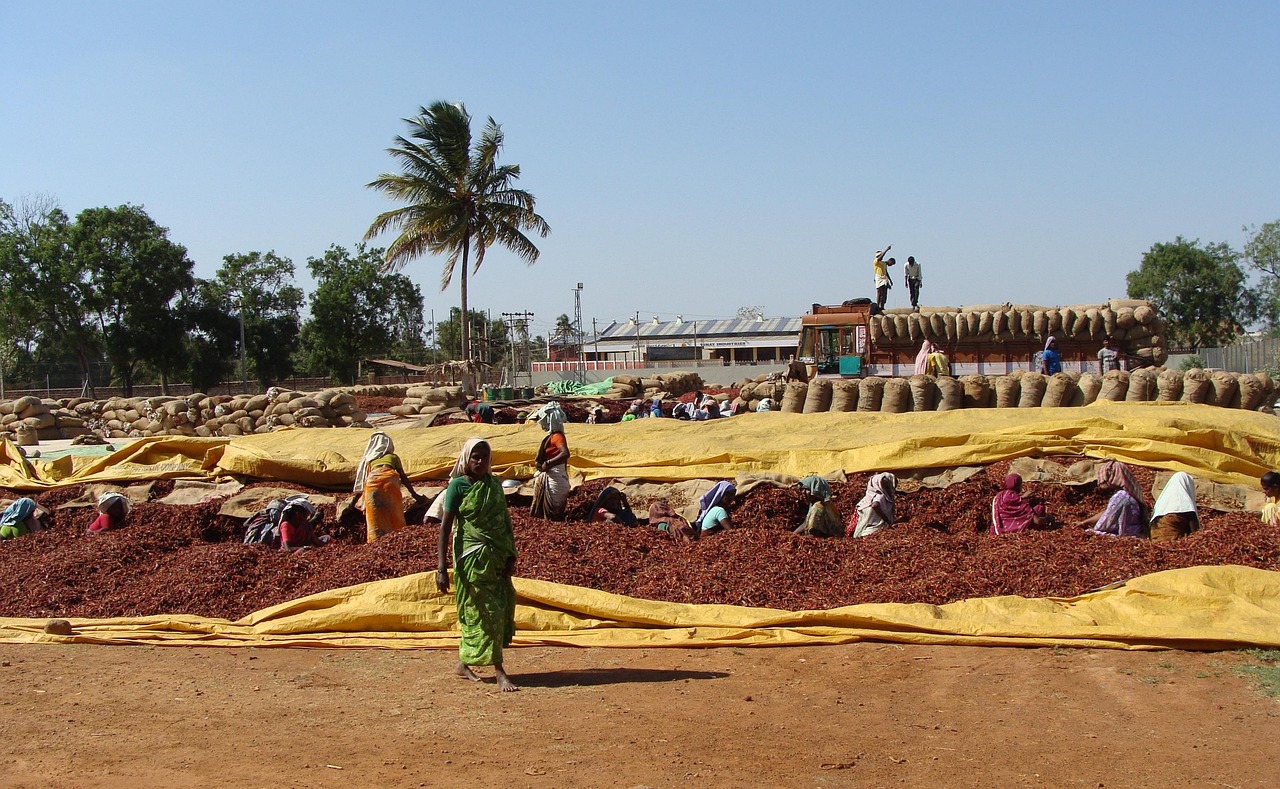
[(484, 558)]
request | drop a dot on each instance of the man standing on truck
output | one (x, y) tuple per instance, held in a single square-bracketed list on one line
[(914, 281), (883, 283), (1108, 357)]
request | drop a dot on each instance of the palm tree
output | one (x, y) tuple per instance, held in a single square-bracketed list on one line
[(456, 197)]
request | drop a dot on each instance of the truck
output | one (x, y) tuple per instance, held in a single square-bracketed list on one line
[(854, 339)]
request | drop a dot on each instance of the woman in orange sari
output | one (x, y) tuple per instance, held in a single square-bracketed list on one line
[(378, 480)]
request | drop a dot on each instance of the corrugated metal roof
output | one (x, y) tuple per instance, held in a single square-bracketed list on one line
[(788, 327)]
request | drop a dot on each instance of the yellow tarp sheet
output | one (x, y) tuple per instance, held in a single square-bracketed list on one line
[(1221, 444), (1196, 608)]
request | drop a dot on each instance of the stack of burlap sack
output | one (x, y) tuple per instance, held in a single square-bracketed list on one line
[(426, 400), (31, 419), (1133, 324), (1249, 391), (673, 384)]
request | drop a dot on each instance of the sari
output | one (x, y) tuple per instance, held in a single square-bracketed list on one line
[(1009, 511), (876, 509), (822, 519), (551, 487), (1121, 518), (14, 522), (663, 517), (922, 358), (483, 543), (1175, 514)]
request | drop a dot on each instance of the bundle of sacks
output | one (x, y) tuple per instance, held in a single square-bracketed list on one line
[(1132, 323), (31, 419), (673, 384), (1249, 391), (425, 400), (770, 389)]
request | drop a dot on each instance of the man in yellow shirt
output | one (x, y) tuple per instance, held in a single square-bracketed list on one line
[(883, 283)]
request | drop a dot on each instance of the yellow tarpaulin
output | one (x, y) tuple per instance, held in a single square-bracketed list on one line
[(1220, 444), (1195, 608)]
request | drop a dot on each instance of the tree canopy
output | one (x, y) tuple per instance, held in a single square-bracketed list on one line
[(262, 283), (1199, 288), (457, 197), (1262, 252), (358, 311)]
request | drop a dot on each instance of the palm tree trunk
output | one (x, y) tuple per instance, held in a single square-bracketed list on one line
[(465, 317)]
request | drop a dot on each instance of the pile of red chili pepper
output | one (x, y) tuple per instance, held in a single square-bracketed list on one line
[(188, 559)]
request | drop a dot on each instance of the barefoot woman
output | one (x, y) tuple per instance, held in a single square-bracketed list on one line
[(484, 557)]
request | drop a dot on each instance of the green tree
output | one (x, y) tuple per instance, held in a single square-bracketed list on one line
[(1200, 290), (43, 289), (135, 276), (356, 311), (490, 336), (457, 197), (263, 285), (213, 334), (1262, 253)]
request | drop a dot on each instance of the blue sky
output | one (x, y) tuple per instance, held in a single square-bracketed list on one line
[(691, 158)]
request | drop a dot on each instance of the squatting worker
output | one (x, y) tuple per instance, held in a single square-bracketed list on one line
[(484, 559), (21, 518), (1125, 514), (1108, 357), (822, 519), (112, 508), (880, 267), (1175, 514), (914, 280), (378, 480), (1271, 509), (877, 507)]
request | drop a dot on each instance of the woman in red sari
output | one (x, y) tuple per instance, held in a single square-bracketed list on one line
[(1011, 513)]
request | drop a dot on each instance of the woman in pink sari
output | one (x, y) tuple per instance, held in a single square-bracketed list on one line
[(1011, 513)]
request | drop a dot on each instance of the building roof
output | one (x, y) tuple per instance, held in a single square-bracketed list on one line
[(667, 330)]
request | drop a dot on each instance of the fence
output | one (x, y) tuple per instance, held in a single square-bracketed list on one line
[(1244, 357)]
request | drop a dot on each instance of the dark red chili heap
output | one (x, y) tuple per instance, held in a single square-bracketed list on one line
[(176, 559)]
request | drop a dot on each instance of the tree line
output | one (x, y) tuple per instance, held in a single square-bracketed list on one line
[(110, 290), (1203, 291)]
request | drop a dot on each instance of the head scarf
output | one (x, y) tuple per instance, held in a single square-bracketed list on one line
[(18, 512), (1009, 511), (713, 497), (766, 404), (882, 489), (1179, 495), (1117, 474), (298, 502), (379, 444), (1049, 343), (108, 500), (436, 510), (817, 486), (922, 359), (550, 417)]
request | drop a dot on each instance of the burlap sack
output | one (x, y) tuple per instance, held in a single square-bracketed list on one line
[(1169, 386), (1008, 391), (901, 328), (985, 322), (1059, 390), (897, 396), (949, 324), (1144, 314), (1055, 322), (1115, 385), (974, 319), (977, 391), (1224, 389), (1195, 385), (1108, 321), (937, 327), (877, 333), (844, 395), (1125, 318), (949, 394), (921, 392), (913, 326), (1251, 392), (1268, 391), (1040, 324), (1142, 385), (962, 326), (870, 393), (1033, 386), (818, 399), (793, 400)]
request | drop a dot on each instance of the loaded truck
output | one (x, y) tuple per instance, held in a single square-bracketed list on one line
[(848, 341)]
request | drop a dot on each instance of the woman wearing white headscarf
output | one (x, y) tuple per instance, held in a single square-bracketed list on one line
[(378, 478), (1175, 514), (112, 510), (551, 485), (876, 509)]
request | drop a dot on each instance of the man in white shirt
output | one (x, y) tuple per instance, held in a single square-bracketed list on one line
[(914, 281)]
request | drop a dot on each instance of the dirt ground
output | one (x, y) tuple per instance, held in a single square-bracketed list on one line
[(866, 715)]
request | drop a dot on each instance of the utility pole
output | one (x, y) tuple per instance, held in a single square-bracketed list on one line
[(244, 369), (580, 368), (595, 336), (637, 338)]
